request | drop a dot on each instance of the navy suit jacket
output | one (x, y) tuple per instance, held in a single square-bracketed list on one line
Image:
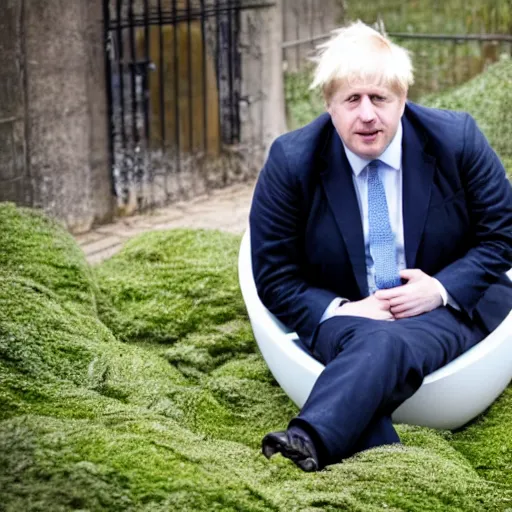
[(307, 237)]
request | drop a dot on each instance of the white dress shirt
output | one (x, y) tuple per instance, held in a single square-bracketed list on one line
[(390, 173)]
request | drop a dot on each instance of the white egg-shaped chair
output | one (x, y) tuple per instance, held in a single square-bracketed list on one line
[(448, 398)]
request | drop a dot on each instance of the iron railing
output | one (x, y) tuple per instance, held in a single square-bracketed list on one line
[(174, 87)]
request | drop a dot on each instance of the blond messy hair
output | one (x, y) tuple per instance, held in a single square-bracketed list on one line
[(359, 54)]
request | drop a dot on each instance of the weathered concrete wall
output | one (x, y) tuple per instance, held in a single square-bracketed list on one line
[(303, 19), (263, 111), (102, 200), (53, 75)]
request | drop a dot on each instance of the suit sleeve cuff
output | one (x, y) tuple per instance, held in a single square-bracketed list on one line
[(447, 299), (331, 308)]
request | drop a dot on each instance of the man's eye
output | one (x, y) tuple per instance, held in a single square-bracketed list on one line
[(352, 99), (378, 98)]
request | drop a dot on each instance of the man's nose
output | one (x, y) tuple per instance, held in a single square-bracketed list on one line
[(366, 110)]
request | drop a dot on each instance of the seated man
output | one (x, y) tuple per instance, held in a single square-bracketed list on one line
[(381, 233)]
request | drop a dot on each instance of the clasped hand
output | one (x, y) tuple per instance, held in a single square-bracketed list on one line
[(419, 295)]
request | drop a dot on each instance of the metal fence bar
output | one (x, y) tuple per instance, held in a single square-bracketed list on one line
[(190, 80), (133, 74), (237, 65), (230, 97), (181, 14), (454, 37), (176, 92), (204, 84), (161, 86), (120, 48), (406, 35), (217, 40), (145, 170), (109, 51), (299, 42), (123, 178), (145, 150), (218, 57), (145, 72)]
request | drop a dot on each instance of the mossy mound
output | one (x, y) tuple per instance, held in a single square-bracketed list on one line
[(488, 443), (36, 247), (174, 422), (150, 293), (488, 98)]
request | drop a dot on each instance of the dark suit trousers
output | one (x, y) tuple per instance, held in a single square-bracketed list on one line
[(371, 367)]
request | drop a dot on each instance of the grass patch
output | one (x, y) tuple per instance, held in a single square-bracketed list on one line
[(446, 17), (488, 98), (38, 248), (302, 103), (137, 385), (149, 294)]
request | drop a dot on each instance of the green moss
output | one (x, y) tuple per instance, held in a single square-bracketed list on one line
[(487, 443), (488, 98), (163, 287), (439, 63), (431, 17), (152, 463), (36, 247), (43, 337), (172, 417), (202, 352), (302, 103)]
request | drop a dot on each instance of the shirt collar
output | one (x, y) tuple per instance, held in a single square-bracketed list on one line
[(392, 155)]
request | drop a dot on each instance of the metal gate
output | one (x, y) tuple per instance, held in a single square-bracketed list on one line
[(173, 72)]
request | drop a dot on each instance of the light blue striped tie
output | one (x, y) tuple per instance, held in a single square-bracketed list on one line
[(381, 238)]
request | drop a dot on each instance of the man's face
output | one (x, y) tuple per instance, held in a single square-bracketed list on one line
[(366, 117)]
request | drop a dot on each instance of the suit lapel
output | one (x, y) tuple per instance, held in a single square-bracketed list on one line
[(339, 188), (418, 170)]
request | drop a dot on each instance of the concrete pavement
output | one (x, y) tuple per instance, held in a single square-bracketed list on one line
[(225, 209)]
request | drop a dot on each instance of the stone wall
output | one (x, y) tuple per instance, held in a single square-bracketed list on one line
[(53, 126)]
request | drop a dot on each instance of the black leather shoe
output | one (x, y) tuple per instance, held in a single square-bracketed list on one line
[(293, 444)]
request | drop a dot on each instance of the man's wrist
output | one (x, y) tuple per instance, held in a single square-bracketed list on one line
[(442, 291), (330, 311)]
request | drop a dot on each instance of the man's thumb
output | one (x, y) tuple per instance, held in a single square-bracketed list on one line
[(410, 274)]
